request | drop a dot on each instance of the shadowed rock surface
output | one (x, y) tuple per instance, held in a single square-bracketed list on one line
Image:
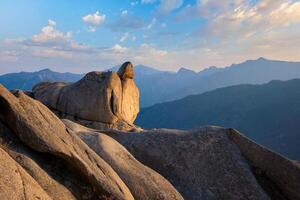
[(276, 173), (99, 99), (210, 163)]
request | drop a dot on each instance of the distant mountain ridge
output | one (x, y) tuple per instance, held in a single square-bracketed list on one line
[(26, 80), (268, 113), (158, 86), (166, 86)]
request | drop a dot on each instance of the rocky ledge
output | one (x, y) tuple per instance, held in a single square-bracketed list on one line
[(45, 157)]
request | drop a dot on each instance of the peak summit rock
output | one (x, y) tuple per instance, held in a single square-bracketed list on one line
[(103, 99), (126, 71)]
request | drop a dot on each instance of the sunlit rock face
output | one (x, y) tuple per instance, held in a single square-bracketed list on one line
[(99, 100)]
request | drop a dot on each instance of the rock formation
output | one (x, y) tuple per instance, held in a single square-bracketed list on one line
[(100, 99), (143, 182), (212, 163), (38, 128), (44, 157)]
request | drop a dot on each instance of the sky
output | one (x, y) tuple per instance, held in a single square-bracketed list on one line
[(85, 35)]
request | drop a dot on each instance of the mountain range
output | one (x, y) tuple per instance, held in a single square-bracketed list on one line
[(268, 113), (166, 86), (26, 80), (161, 86)]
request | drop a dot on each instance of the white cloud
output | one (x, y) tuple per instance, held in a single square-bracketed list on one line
[(166, 6), (124, 37), (51, 22), (286, 14), (92, 29), (134, 3), (148, 49), (49, 33), (152, 23), (124, 12), (127, 36), (94, 19), (240, 18), (118, 49)]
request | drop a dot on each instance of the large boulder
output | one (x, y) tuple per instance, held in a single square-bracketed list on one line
[(111, 99)]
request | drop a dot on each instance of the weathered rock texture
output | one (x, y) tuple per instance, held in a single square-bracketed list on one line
[(214, 163), (16, 183), (143, 182), (278, 175), (100, 99)]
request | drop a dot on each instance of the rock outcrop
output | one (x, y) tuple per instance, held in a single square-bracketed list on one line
[(143, 182), (100, 99), (40, 129), (214, 163), (65, 167)]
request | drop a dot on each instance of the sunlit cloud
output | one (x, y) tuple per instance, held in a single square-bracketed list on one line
[(94, 20)]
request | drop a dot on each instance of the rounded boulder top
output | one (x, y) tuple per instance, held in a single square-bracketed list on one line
[(126, 71)]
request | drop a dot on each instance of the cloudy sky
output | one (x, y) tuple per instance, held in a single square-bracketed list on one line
[(85, 35)]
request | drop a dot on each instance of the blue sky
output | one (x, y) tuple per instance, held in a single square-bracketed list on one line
[(85, 35)]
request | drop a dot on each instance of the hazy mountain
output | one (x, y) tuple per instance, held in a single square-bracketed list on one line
[(140, 70), (25, 80), (268, 113), (168, 86), (161, 86)]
